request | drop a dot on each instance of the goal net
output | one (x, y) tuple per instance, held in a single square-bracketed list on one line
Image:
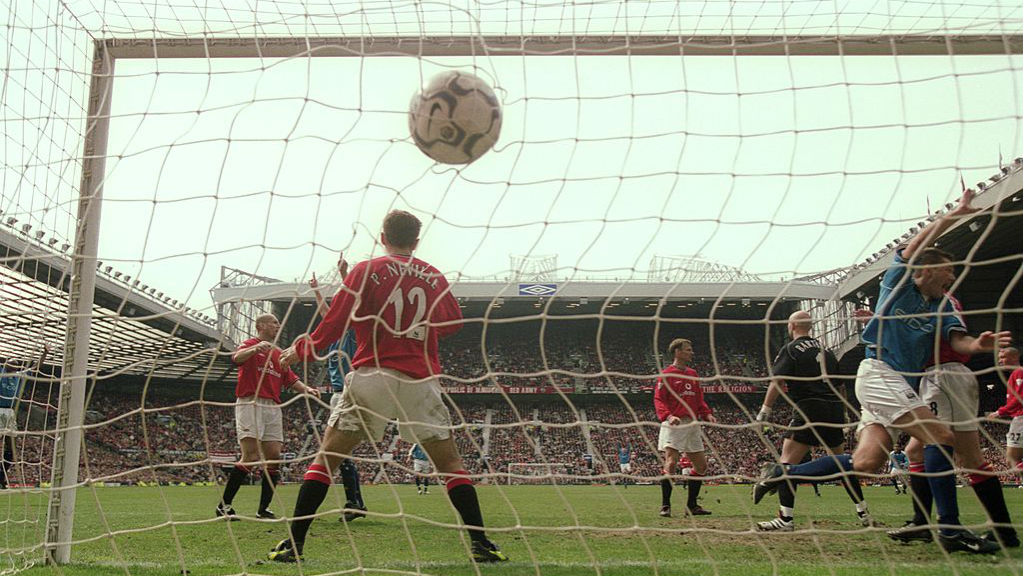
[(173, 171)]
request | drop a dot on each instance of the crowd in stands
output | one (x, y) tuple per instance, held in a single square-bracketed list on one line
[(625, 361), (173, 443), (166, 436)]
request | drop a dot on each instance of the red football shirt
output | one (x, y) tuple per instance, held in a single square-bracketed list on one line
[(678, 393), (946, 352), (399, 306), (261, 374), (1013, 408)]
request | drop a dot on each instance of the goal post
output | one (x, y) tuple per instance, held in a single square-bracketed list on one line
[(81, 296)]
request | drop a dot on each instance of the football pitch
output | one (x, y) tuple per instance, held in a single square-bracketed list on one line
[(546, 530)]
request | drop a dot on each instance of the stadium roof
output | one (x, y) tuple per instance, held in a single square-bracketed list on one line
[(132, 332), (990, 242), (571, 289)]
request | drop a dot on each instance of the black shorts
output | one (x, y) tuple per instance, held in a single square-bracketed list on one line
[(817, 411)]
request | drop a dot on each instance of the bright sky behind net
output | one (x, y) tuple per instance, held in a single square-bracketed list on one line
[(773, 165)]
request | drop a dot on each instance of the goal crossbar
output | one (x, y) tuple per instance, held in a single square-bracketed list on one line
[(605, 45)]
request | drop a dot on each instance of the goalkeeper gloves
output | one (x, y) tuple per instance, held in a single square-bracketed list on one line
[(762, 417)]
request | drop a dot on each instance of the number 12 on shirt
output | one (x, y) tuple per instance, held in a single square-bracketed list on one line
[(417, 297)]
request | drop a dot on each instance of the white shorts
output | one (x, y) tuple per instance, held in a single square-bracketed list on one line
[(1013, 436), (258, 418), (8, 423), (421, 466), (375, 396), (884, 395), (336, 395), (626, 468), (951, 392), (684, 437)]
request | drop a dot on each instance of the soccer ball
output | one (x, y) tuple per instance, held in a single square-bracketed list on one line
[(456, 118)]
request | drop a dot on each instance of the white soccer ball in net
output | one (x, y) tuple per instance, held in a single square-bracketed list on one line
[(456, 118)]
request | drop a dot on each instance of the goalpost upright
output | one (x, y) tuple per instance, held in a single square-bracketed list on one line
[(81, 294), (69, 437)]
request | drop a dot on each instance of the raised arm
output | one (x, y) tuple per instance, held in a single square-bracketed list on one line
[(938, 227), (42, 358), (321, 303), (334, 323)]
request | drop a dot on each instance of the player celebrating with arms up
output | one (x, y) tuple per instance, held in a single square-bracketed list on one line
[(399, 306), (679, 403), (901, 336)]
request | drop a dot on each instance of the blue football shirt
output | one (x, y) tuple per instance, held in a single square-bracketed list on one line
[(338, 367), (902, 331), (10, 389)]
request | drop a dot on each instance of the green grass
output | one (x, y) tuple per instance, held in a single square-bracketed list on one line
[(553, 531)]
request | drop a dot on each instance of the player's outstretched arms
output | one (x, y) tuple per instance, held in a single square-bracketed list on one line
[(980, 344), (938, 227)]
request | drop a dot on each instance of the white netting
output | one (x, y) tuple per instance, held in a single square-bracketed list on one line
[(665, 169)]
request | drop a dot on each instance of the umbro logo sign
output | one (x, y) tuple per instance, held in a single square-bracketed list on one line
[(537, 289)]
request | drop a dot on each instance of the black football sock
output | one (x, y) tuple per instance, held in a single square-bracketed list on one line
[(989, 491), (920, 494), (463, 497), (314, 488), (851, 484), (350, 480), (271, 477), (694, 490), (666, 492), (787, 500), (238, 475), (787, 495)]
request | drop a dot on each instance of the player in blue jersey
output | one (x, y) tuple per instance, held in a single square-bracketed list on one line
[(339, 364), (421, 468), (912, 315), (12, 386), (898, 467), (626, 463)]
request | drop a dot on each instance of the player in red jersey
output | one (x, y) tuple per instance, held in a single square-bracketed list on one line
[(679, 403), (258, 422), (685, 466), (1010, 358), (950, 389), (398, 306)]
